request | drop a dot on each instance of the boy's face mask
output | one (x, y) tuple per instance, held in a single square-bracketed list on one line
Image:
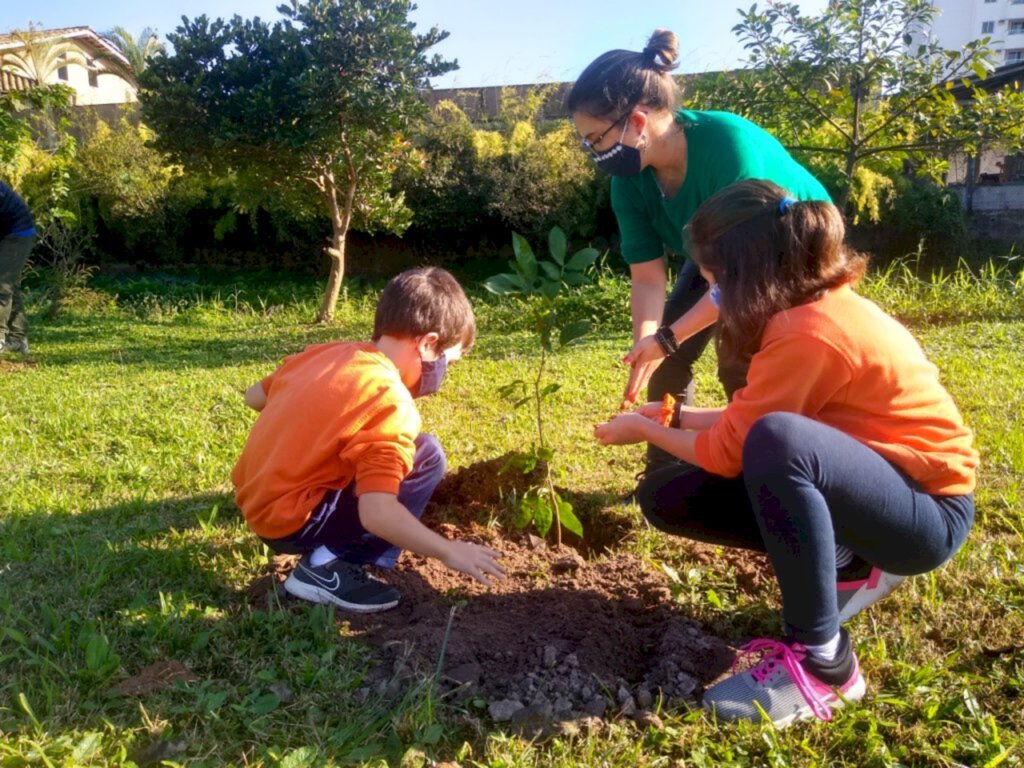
[(431, 375)]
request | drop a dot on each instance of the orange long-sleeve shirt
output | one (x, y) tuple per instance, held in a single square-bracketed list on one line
[(334, 413), (844, 362)]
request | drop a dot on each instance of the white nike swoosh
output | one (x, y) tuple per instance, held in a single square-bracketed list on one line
[(331, 585)]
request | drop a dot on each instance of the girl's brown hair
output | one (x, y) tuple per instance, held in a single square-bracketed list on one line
[(767, 253), (617, 81)]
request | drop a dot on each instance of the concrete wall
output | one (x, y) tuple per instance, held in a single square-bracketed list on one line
[(998, 211), (960, 21)]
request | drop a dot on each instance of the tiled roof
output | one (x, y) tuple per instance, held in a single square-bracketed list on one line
[(68, 33)]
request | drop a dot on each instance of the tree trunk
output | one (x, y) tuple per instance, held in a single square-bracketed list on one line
[(341, 215)]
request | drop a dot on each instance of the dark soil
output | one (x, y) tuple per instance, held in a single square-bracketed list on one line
[(561, 638)]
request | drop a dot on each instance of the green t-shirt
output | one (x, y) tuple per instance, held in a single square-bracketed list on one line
[(721, 148)]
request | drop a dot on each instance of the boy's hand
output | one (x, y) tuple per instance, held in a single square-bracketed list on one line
[(476, 560)]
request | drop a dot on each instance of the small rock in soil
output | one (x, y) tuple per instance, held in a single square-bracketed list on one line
[(596, 707), (550, 656), (647, 719), (628, 708), (644, 698), (568, 564), (504, 710), (466, 674)]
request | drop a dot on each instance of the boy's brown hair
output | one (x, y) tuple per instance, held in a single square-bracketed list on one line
[(425, 300)]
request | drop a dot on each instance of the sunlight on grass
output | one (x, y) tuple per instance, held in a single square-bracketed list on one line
[(120, 545)]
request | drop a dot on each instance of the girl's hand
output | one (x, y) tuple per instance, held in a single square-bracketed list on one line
[(624, 429), (650, 411)]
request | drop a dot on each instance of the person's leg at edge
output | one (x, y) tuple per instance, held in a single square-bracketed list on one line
[(14, 253), (812, 486)]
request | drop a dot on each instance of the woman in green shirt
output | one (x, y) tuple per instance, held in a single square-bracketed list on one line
[(664, 163)]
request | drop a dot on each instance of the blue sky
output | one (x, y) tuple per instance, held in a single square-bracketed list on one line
[(496, 43)]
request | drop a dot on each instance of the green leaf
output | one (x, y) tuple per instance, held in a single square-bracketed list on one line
[(568, 518), (299, 758), (714, 599), (543, 516), (433, 734), (582, 259), (573, 332), (551, 271), (575, 279), (550, 389), (503, 284), (524, 462), (512, 389), (96, 653), (265, 704), (557, 245), (526, 262), (87, 747), (545, 454), (550, 290)]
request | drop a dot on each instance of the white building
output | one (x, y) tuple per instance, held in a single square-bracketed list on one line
[(100, 75), (960, 21)]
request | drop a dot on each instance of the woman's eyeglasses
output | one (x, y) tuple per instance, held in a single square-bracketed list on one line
[(590, 144)]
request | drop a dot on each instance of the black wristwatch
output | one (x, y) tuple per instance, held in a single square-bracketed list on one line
[(666, 340)]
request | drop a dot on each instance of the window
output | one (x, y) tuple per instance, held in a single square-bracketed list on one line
[(1016, 28), (1013, 57), (62, 71), (990, 1), (988, 27), (94, 75)]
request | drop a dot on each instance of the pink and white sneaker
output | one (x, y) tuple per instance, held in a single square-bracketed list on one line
[(854, 595), (787, 684)]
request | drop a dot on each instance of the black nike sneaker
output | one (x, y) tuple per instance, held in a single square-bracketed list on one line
[(346, 585)]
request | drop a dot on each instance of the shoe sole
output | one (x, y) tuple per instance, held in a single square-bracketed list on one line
[(316, 595), (863, 598), (854, 693)]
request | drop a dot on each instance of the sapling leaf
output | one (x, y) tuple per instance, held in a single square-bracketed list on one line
[(549, 289), (568, 518), (526, 262), (513, 388), (545, 453), (557, 245), (550, 389), (543, 516), (573, 332), (520, 403)]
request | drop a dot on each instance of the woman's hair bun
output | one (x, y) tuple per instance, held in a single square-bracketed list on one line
[(662, 51)]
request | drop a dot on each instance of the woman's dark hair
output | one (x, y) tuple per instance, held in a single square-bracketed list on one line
[(420, 301), (768, 253), (617, 81)]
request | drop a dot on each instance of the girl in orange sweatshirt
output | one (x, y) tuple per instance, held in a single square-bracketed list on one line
[(843, 457)]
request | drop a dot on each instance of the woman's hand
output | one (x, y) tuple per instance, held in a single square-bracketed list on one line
[(480, 562), (624, 429), (643, 359)]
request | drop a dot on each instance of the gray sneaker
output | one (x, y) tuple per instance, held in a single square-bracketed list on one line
[(346, 585), (787, 685), (19, 346)]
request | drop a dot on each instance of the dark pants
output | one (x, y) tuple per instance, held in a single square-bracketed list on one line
[(335, 520), (14, 253), (806, 487), (676, 371)]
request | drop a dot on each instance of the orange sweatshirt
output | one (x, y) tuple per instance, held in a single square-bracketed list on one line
[(844, 362), (334, 413)]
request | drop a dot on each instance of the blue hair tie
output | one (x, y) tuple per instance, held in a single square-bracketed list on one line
[(784, 204)]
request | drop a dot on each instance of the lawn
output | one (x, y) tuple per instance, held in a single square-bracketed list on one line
[(121, 548)]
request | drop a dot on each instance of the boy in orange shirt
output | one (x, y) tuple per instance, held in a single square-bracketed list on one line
[(843, 457), (335, 467)]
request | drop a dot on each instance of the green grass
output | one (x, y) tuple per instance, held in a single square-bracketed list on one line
[(120, 546)]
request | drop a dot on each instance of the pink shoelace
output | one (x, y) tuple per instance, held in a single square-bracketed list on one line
[(774, 652)]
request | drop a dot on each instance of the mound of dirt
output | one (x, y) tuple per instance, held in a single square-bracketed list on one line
[(559, 639)]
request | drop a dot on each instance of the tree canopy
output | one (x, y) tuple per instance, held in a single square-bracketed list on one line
[(310, 111)]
